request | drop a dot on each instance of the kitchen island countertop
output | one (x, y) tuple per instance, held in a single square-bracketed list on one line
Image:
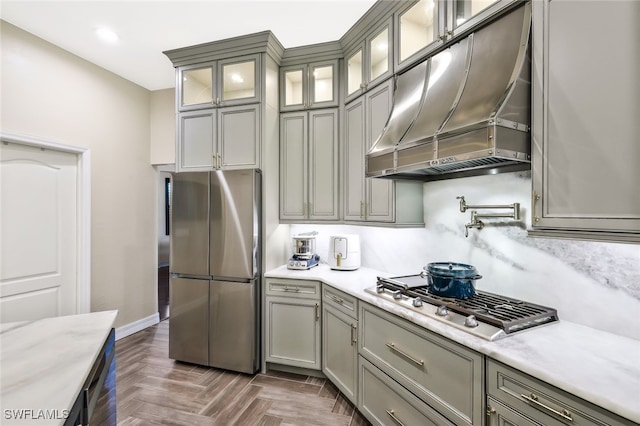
[(44, 364), (599, 367)]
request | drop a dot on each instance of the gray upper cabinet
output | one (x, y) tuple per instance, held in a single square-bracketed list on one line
[(219, 138), (585, 148), (309, 165), (426, 25), (306, 86), (370, 62), (368, 199), (225, 82)]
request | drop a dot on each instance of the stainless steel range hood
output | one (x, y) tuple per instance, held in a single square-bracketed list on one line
[(464, 111)]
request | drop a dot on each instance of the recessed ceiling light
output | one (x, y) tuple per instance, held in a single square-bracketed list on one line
[(107, 35)]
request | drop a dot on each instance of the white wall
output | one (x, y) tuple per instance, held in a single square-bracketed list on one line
[(52, 94), (590, 283), (163, 127)]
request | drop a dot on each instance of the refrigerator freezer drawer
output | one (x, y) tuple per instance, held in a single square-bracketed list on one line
[(189, 323), (233, 324)]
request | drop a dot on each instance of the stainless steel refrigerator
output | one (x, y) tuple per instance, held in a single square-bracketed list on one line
[(215, 269)]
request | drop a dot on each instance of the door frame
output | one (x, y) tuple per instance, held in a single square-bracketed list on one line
[(83, 206)]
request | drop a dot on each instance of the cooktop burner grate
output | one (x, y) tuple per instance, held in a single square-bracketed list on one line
[(508, 314)]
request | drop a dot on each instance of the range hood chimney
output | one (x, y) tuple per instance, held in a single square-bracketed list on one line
[(464, 111)]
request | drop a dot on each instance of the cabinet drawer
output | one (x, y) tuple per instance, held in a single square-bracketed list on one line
[(293, 288), (499, 415), (340, 300), (447, 376), (384, 402), (543, 402)]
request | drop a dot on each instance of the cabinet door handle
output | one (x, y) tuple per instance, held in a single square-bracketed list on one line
[(354, 334), (533, 400), (392, 346), (535, 197), (362, 209), (317, 312), (394, 418)]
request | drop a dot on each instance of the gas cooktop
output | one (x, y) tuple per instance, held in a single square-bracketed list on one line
[(485, 315)]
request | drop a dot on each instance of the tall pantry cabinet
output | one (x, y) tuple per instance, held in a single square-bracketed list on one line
[(309, 137)]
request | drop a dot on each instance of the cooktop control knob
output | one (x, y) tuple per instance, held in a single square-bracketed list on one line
[(442, 311), (471, 321), (417, 302), (397, 295)]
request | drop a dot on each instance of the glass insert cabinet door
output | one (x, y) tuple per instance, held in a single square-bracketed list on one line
[(322, 78), (379, 51), (294, 83), (238, 80), (465, 9), (354, 72), (307, 86), (418, 27), (197, 86)]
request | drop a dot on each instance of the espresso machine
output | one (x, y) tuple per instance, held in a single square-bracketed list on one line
[(303, 247)]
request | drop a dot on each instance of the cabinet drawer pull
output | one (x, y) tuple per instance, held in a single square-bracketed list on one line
[(337, 299), (394, 418), (291, 289), (533, 399), (406, 355)]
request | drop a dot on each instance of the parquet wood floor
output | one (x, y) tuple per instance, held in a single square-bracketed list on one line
[(155, 390)]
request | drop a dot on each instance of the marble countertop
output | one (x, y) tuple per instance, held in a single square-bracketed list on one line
[(44, 364), (597, 366)]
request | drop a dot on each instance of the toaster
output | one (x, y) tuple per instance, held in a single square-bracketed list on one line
[(344, 252)]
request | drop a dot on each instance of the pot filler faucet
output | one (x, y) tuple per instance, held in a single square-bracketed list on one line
[(475, 216)]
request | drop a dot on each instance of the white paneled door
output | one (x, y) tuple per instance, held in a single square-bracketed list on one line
[(38, 232)]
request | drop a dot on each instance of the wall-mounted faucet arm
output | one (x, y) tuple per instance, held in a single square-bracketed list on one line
[(475, 216)]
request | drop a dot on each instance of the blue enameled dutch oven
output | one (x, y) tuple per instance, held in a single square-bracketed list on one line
[(448, 279)]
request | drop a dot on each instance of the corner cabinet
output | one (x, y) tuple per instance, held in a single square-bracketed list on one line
[(585, 148), (309, 168), (292, 323), (219, 138), (340, 341), (372, 199)]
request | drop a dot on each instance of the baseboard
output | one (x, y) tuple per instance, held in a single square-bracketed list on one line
[(134, 327)]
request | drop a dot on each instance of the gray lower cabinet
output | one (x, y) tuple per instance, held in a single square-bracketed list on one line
[(585, 123), (309, 165), (529, 401), (219, 138), (384, 402), (292, 323), (445, 375), (339, 341), (500, 415)]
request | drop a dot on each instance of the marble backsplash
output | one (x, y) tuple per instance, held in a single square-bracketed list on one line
[(590, 283)]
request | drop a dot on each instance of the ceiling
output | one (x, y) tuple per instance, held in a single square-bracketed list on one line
[(147, 28)]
